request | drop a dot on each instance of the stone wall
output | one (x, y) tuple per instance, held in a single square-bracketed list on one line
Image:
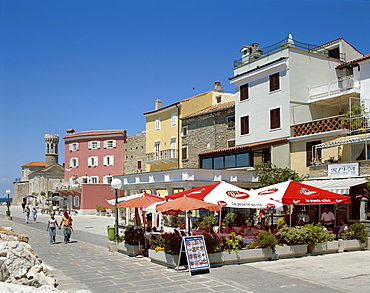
[(206, 133), (135, 151)]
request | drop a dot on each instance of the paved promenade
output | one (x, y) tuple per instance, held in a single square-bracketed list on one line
[(86, 264)]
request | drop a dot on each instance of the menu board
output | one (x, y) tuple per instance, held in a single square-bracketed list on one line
[(196, 252)]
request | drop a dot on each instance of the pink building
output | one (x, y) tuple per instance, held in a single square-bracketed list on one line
[(91, 159), (93, 156)]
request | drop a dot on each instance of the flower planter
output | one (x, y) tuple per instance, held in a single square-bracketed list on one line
[(102, 213), (246, 255), (129, 249), (291, 251), (163, 258), (347, 245), (326, 247)]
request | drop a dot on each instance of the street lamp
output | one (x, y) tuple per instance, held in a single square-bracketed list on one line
[(116, 184), (8, 202)]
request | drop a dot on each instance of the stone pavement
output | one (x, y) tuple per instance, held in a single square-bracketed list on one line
[(86, 264)]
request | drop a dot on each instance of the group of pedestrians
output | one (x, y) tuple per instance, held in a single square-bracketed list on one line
[(27, 211), (66, 223)]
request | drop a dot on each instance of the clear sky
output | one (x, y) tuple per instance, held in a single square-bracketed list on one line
[(99, 65)]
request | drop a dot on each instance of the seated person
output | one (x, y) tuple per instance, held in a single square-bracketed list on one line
[(242, 230), (343, 226), (229, 228)]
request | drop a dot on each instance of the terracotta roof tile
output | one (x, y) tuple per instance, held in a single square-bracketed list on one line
[(247, 146), (211, 109), (41, 164), (95, 132), (353, 61)]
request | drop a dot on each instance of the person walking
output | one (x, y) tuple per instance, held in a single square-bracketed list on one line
[(23, 204), (52, 228), (34, 214), (27, 211), (67, 227)]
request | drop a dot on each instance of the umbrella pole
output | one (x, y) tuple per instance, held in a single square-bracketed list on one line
[(219, 220)]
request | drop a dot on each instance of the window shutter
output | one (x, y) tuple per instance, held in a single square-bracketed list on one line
[(89, 145), (71, 163), (105, 161), (105, 144), (76, 162), (244, 125), (98, 144), (71, 146), (114, 143), (111, 160), (274, 82), (139, 164), (244, 92), (275, 118), (76, 144), (89, 162)]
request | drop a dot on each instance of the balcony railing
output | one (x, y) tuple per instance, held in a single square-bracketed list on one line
[(334, 88), (164, 156), (317, 126), (287, 42)]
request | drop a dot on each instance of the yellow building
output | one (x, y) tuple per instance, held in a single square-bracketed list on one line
[(164, 130)]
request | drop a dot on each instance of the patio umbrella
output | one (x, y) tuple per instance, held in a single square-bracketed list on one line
[(187, 203), (57, 198), (125, 198), (141, 201), (228, 195), (292, 192), (30, 196)]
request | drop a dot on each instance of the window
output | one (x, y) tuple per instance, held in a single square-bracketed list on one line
[(173, 119), (231, 143), (139, 164), (275, 118), (73, 162), (84, 180), (107, 179), (76, 201), (274, 82), (184, 153), (244, 92), (231, 121), (109, 144), (73, 146), (227, 161), (94, 179), (310, 156), (218, 99), (157, 124), (108, 160), (93, 145), (92, 161), (157, 146), (184, 130), (244, 125)]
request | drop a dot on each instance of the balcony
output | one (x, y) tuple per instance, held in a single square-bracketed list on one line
[(318, 126), (344, 85), (162, 157)]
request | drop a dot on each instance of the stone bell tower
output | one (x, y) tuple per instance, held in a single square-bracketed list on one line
[(51, 153)]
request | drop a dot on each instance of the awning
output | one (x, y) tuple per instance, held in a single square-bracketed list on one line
[(340, 186)]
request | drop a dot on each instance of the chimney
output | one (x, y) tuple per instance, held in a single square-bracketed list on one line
[(256, 52), (71, 130), (218, 87), (158, 104)]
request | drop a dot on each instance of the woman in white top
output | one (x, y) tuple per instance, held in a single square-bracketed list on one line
[(52, 228)]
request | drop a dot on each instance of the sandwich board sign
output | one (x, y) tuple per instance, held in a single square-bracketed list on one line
[(196, 253)]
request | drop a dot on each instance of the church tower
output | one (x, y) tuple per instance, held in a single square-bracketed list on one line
[(51, 154)]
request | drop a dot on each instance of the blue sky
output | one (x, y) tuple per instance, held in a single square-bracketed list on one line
[(99, 65)]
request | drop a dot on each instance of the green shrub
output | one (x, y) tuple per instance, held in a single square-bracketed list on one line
[(172, 244), (316, 234), (205, 222), (356, 231), (234, 242), (266, 239), (213, 244), (134, 236), (292, 235), (155, 241)]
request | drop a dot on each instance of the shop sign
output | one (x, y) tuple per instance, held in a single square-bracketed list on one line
[(340, 170)]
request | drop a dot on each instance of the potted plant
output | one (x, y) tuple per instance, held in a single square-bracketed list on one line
[(354, 238), (319, 240), (291, 242), (133, 241)]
